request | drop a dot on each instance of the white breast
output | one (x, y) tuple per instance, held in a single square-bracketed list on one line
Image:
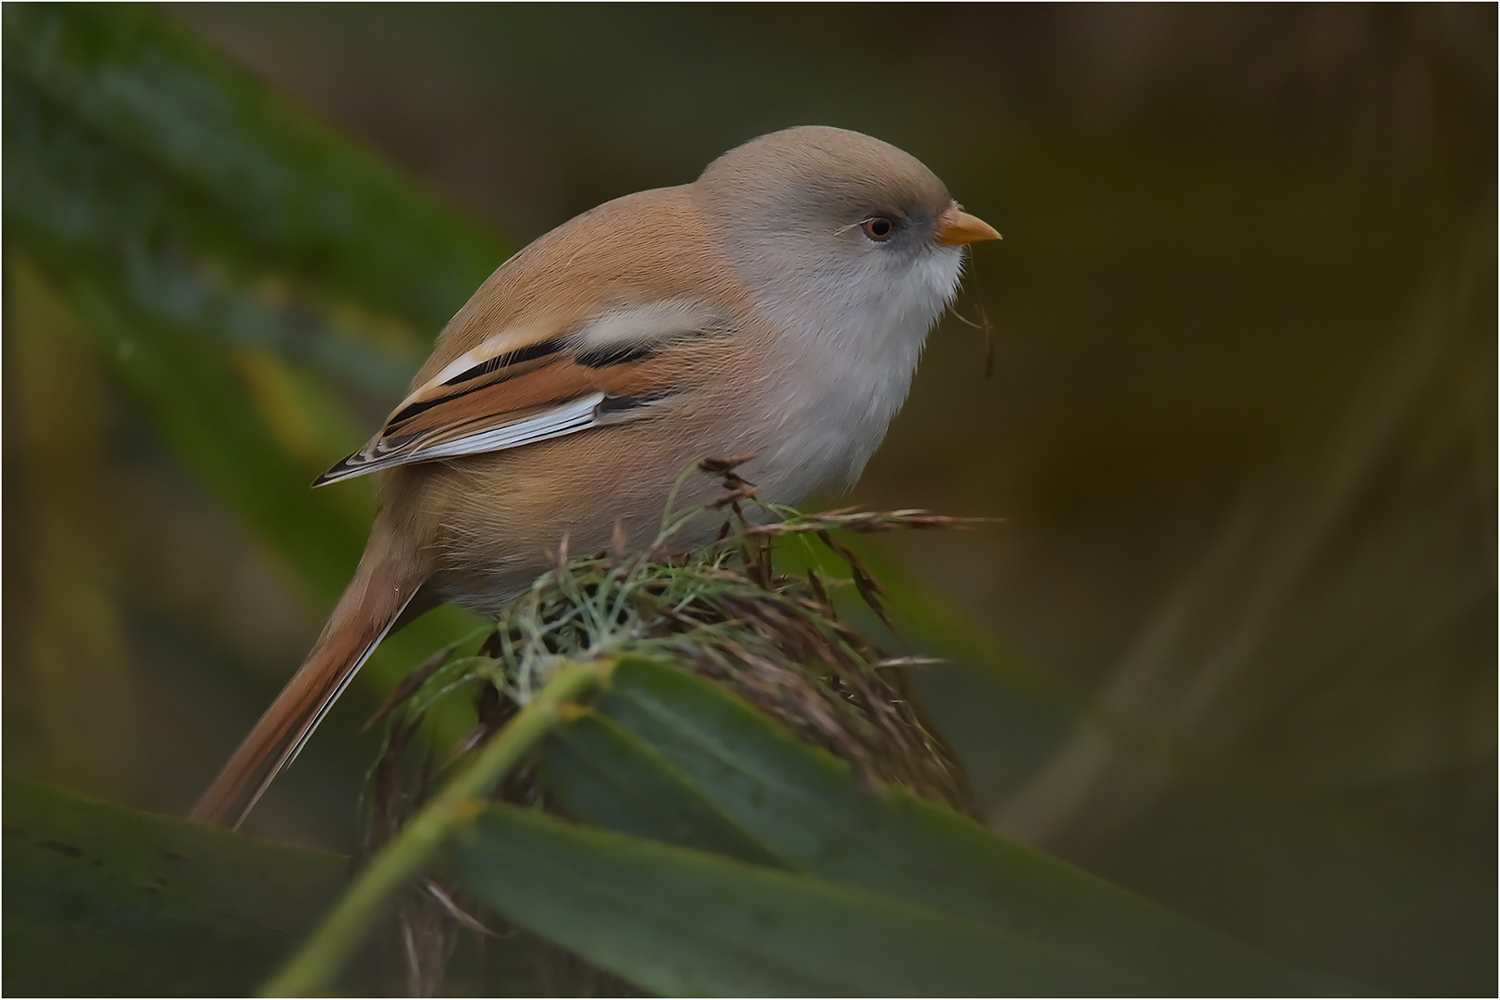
[(852, 345)]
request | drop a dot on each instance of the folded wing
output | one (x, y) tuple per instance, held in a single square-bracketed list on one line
[(516, 389)]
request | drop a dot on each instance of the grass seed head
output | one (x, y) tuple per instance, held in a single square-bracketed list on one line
[(722, 611)]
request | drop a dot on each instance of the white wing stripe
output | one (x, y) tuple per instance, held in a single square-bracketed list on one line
[(575, 416), (644, 324)]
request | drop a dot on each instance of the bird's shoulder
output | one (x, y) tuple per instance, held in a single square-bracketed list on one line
[(635, 252)]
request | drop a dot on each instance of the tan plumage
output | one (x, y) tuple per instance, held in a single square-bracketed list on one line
[(745, 313)]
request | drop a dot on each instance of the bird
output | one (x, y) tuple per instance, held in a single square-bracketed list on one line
[(775, 307)]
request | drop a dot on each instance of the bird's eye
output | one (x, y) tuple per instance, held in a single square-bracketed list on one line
[(878, 228)]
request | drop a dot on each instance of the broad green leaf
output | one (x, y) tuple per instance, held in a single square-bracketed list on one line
[(602, 775), (105, 901), (681, 922), (804, 805)]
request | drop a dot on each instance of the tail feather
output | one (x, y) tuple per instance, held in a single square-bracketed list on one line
[(382, 588)]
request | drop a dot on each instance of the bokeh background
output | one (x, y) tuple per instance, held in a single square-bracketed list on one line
[(1233, 645)]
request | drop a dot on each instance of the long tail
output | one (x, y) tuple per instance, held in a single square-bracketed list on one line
[(388, 577)]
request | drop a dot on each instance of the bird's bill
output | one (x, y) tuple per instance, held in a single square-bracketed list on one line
[(957, 227)]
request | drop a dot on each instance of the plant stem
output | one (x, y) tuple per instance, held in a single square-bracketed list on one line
[(321, 957)]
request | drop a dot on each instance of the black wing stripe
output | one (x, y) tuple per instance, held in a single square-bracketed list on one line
[(515, 357), (620, 404), (619, 354)]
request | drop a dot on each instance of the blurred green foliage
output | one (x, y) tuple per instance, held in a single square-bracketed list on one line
[(244, 275), (173, 197), (1242, 422)]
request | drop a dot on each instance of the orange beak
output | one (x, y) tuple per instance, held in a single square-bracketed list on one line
[(957, 227)]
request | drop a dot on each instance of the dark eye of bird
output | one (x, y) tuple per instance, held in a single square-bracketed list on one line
[(878, 228)]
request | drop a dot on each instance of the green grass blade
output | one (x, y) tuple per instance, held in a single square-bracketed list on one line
[(84, 205), (105, 901), (317, 964), (316, 203), (804, 805), (681, 922), (602, 775)]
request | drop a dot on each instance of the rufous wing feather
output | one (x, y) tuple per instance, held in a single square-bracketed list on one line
[(510, 394)]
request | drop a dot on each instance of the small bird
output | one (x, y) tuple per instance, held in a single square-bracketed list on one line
[(774, 307)]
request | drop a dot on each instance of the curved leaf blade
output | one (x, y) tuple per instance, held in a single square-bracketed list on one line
[(604, 776), (804, 805), (681, 922), (100, 900), (319, 204)]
